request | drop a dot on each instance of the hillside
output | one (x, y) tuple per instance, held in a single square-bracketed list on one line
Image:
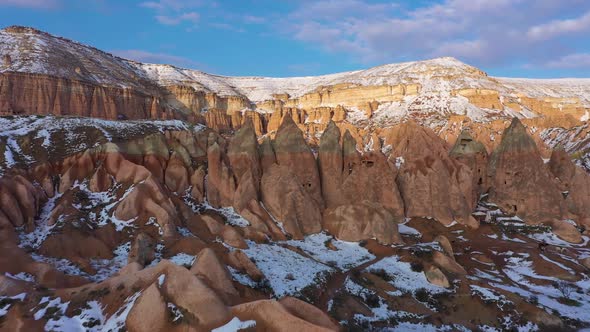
[(420, 196)]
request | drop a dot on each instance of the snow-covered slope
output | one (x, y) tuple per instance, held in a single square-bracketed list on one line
[(27, 50)]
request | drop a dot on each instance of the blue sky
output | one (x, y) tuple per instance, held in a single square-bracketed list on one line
[(519, 38)]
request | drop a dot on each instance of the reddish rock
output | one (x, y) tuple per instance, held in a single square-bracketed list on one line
[(435, 276), (240, 261), (215, 273), (142, 250), (430, 182), (100, 180), (270, 315), (308, 312), (373, 180), (187, 291), (445, 245), (289, 202), (362, 221), (448, 264), (293, 154), (233, 238), (176, 174), (220, 181), (330, 165), (197, 181), (521, 182), (473, 154), (575, 184), (149, 313), (566, 231)]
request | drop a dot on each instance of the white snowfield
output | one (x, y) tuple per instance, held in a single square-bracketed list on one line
[(27, 50)]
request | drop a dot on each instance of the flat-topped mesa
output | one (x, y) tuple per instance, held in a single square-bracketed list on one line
[(430, 182), (473, 154)]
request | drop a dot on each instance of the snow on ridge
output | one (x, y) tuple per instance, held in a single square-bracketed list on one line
[(33, 51)]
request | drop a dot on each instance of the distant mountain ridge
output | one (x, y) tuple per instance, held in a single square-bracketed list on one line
[(33, 51)]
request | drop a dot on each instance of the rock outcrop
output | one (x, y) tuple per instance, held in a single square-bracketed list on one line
[(473, 154), (430, 182), (520, 182), (574, 184)]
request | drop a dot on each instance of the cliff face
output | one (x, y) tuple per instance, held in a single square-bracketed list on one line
[(22, 93)]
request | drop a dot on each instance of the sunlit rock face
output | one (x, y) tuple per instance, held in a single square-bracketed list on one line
[(520, 179), (370, 200)]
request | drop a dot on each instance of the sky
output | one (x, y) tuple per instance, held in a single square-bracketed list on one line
[(513, 38)]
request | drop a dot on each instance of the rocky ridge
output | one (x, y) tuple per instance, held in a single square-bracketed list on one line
[(106, 225)]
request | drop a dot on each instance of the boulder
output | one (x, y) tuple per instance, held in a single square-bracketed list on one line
[(232, 237), (142, 250), (566, 231), (447, 263), (436, 277), (445, 245), (190, 293)]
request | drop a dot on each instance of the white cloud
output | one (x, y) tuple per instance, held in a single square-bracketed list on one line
[(174, 5), (252, 19), (175, 20), (560, 27), (174, 12), (481, 32), (570, 61)]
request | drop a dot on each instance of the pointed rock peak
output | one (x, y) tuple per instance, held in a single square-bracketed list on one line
[(244, 139), (348, 144), (515, 137), (410, 124), (267, 153), (465, 144), (515, 124), (247, 123), (287, 122), (465, 136), (290, 138), (561, 165), (332, 126), (330, 140)]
